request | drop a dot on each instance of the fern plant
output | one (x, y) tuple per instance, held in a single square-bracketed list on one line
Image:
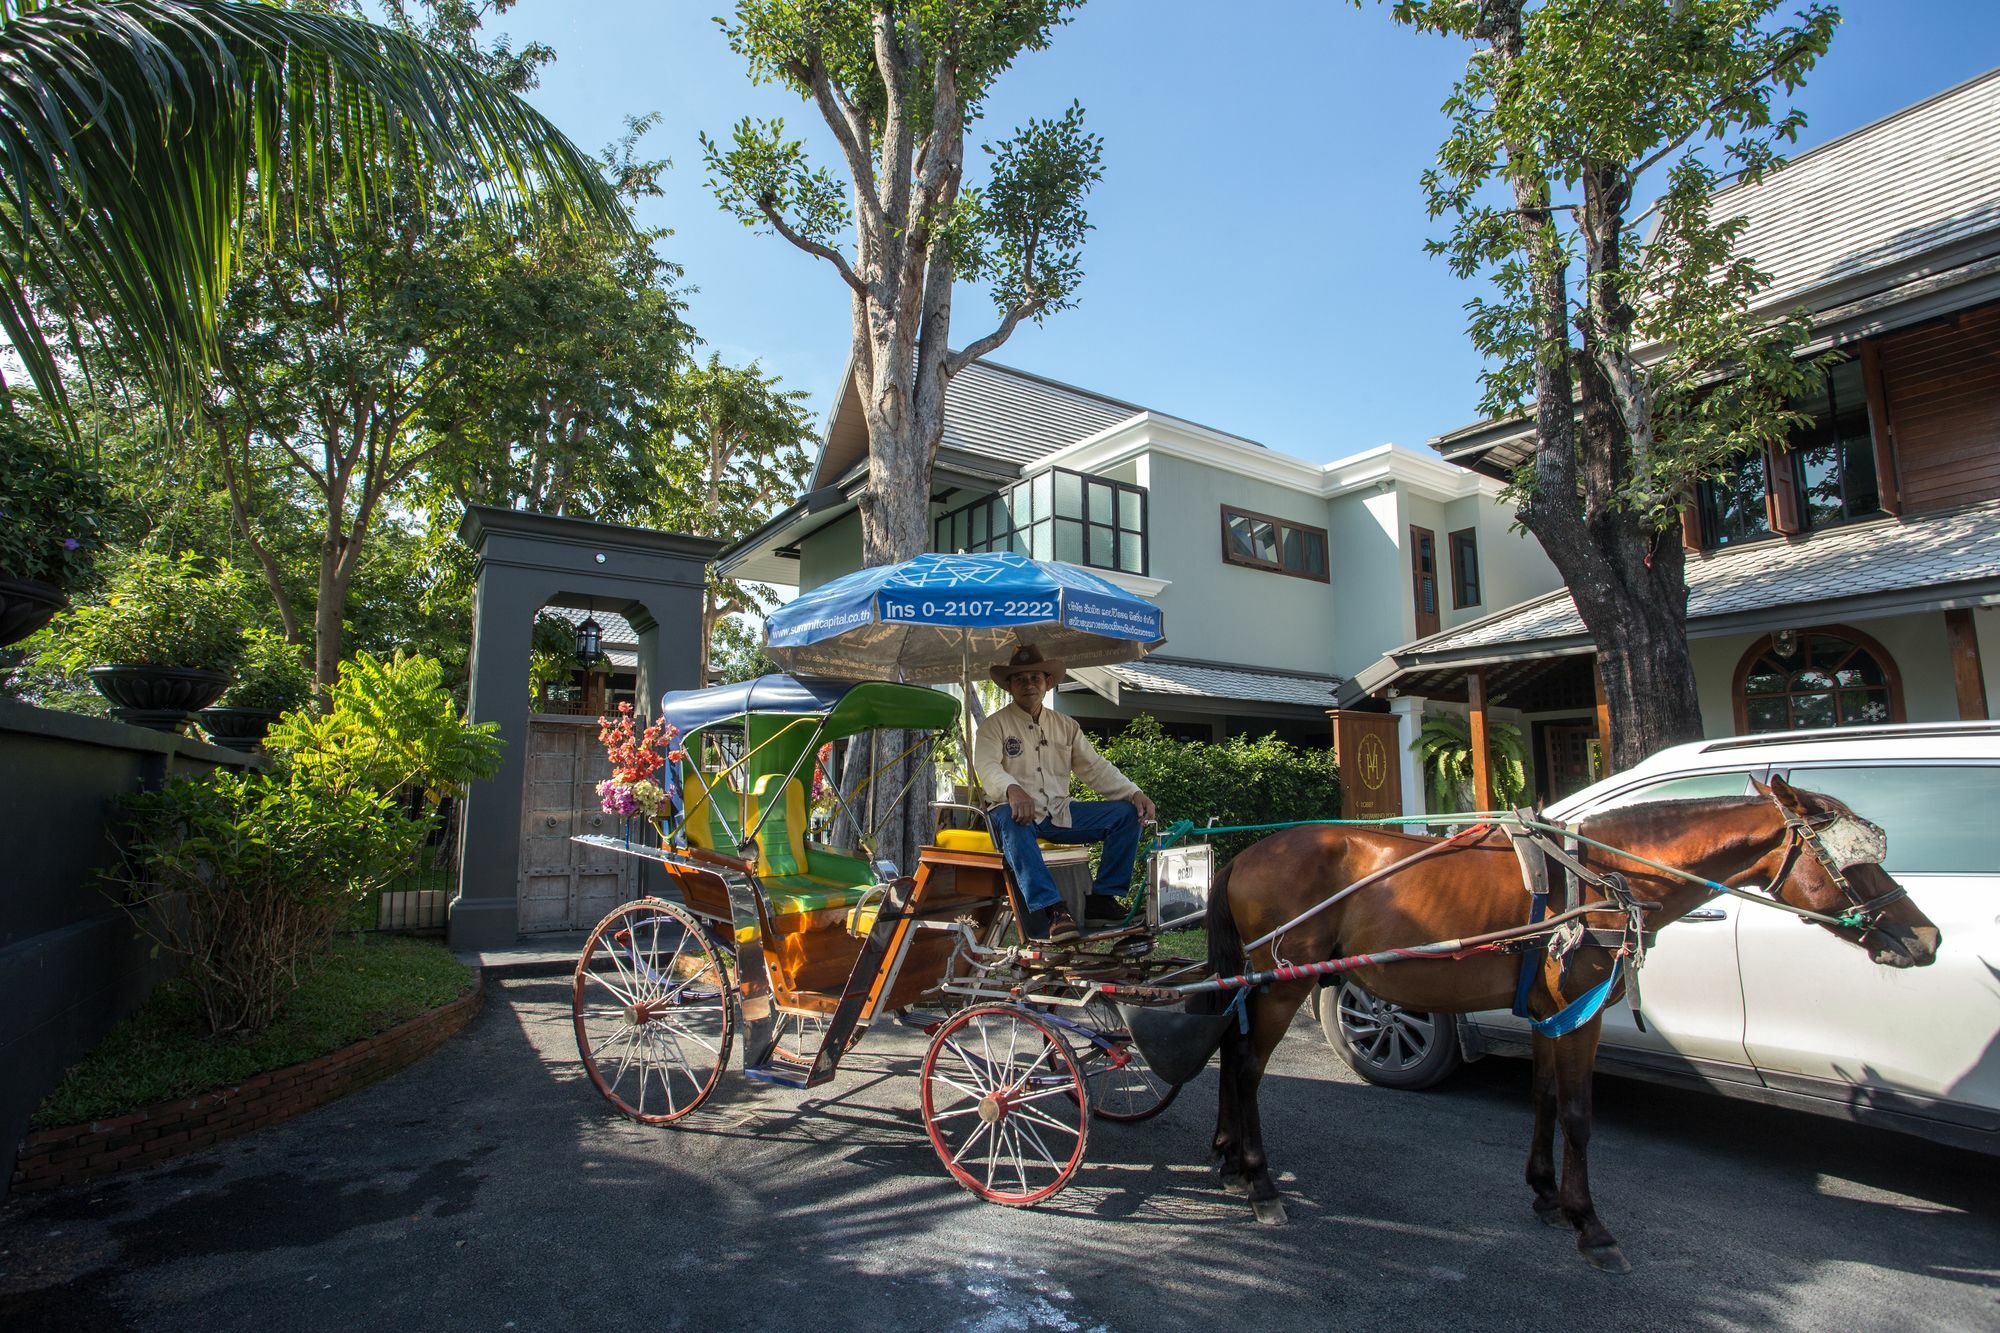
[(1444, 748)]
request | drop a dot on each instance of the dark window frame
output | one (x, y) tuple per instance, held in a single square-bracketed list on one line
[(1231, 556), (1466, 541), (1823, 431), (1004, 533)]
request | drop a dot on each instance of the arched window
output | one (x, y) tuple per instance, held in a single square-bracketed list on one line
[(1830, 676)]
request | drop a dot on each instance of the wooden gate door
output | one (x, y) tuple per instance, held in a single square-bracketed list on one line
[(565, 885)]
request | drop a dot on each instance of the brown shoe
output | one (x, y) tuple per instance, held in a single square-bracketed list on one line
[(1062, 926)]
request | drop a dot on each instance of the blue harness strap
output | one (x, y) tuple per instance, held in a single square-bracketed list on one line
[(1531, 957), (1580, 1010)]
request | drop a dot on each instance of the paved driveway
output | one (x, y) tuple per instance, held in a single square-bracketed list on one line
[(488, 1188)]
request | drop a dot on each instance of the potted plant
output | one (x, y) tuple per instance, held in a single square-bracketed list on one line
[(1444, 749), (271, 680), (52, 513), (162, 638)]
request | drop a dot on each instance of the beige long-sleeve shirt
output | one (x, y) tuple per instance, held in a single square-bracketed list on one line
[(1038, 755)]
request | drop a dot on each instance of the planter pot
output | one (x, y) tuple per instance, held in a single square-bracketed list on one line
[(159, 698), (238, 728), (25, 606)]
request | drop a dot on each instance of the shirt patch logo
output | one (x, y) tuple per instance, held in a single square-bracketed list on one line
[(1013, 747)]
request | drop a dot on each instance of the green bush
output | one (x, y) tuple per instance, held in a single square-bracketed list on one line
[(158, 610), (273, 674), (389, 727), (1237, 781), (54, 507), (1444, 748), (263, 865)]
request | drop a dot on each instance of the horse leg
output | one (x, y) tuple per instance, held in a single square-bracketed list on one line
[(1226, 1150), (1576, 1057), (1541, 1148), (1270, 1016)]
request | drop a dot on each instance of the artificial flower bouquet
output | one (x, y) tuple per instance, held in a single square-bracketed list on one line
[(631, 791)]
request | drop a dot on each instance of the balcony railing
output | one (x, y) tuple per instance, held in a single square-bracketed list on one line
[(1056, 514)]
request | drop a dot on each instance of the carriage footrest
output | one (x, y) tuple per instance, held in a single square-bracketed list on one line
[(789, 1073)]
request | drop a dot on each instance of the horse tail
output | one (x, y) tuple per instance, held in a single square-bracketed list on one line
[(1225, 943)]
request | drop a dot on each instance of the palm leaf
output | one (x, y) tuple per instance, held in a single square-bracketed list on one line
[(134, 133)]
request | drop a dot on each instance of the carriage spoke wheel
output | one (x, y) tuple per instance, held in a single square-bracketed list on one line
[(653, 1012), (1004, 1102), (1123, 1087)]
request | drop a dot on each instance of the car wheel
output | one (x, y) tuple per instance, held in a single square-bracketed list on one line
[(1386, 1044)]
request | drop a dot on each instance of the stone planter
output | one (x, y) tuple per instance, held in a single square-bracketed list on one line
[(240, 729), (160, 698), (25, 606)]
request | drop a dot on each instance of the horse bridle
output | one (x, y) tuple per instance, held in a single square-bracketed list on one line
[(1802, 832)]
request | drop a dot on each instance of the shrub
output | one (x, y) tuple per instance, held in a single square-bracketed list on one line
[(1444, 748), (158, 610), (1237, 781), (264, 864), (273, 674), (389, 727), (54, 508)]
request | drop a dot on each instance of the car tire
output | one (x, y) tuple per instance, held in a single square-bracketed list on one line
[(1385, 1044)]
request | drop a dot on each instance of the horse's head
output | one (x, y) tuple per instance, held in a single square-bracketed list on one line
[(1831, 864)]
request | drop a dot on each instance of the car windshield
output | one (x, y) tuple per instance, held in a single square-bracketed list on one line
[(1689, 787), (1939, 817)]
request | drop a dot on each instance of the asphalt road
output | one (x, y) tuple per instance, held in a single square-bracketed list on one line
[(489, 1188)]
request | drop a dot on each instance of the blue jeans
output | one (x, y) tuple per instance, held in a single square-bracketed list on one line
[(1113, 823)]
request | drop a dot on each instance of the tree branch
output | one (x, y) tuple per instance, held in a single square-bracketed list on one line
[(826, 252), (972, 351)]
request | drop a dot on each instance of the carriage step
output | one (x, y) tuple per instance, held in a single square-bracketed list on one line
[(786, 1072)]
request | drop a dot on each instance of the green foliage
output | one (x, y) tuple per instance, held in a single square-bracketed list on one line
[(551, 654), (364, 986), (264, 864), (54, 506), (736, 652), (157, 610), (1444, 748), (389, 727), (273, 674), (1237, 781)]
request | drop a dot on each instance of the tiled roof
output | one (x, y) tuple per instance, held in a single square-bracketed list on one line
[(994, 412), (1855, 560), (618, 631), (1206, 681), (1877, 198)]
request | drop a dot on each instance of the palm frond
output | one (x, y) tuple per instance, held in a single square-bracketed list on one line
[(134, 133)]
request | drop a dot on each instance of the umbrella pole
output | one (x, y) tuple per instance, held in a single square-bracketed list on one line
[(965, 711)]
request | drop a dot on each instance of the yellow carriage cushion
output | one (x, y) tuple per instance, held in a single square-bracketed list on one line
[(808, 893), (979, 840), (796, 876), (706, 825)]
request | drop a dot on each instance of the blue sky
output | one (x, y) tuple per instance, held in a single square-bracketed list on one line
[(1257, 263)]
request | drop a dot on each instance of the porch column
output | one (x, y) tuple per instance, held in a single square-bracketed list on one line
[(1409, 714), (1603, 719), (1967, 672), (1482, 771)]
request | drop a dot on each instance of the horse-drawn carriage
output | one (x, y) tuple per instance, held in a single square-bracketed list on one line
[(793, 949)]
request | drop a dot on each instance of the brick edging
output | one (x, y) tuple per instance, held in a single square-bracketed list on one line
[(67, 1154)]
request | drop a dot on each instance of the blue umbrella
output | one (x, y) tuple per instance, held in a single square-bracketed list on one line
[(931, 617)]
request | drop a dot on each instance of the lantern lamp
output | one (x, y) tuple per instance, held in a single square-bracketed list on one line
[(589, 641)]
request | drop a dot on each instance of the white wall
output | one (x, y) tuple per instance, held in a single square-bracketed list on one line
[(1916, 643)]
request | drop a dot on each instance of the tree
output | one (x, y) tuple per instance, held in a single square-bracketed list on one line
[(134, 134), (897, 82), (1645, 369)]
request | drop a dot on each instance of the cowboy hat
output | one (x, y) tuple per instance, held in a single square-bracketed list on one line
[(1028, 658)]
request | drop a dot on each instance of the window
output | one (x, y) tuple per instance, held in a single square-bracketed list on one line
[(1279, 545), (1835, 677), (1465, 568), (1824, 475), (1923, 810), (1692, 787), (1055, 515)]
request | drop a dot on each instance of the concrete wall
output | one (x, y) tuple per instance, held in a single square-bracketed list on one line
[(832, 551), (1915, 642), (1374, 610), (71, 964)]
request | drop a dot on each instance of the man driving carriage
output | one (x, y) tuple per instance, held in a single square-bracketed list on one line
[(1027, 753)]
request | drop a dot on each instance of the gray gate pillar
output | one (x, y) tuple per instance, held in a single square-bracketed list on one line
[(525, 562)]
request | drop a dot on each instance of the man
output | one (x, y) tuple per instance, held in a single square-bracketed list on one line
[(1027, 753)]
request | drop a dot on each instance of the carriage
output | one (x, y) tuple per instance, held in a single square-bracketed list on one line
[(790, 950)]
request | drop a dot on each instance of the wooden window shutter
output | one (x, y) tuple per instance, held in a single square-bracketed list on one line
[(1691, 524), (1782, 498)]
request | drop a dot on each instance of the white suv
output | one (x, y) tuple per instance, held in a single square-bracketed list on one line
[(1750, 1002)]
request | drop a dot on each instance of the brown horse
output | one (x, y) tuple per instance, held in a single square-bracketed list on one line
[(1777, 840)]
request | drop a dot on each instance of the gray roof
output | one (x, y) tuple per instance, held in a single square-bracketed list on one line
[(617, 629), (997, 412), (1874, 200), (1206, 680), (1885, 564)]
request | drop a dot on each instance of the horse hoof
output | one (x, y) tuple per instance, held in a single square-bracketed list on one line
[(1605, 1258), (1234, 1183), (1551, 1216), (1271, 1212)]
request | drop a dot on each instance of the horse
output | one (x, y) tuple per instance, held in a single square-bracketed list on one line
[(1779, 838)]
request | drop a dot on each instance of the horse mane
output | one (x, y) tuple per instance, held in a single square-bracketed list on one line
[(1656, 821)]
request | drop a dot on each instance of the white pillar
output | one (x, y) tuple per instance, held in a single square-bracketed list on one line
[(1409, 712)]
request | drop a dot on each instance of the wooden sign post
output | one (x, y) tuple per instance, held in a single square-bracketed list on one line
[(1367, 746)]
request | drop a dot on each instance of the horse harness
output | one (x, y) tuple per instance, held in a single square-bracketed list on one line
[(1838, 842), (1542, 858)]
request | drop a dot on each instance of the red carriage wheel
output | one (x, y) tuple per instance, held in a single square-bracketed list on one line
[(1004, 1102), (653, 1012)]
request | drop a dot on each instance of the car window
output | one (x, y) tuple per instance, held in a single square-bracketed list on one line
[(1940, 818), (1692, 787)]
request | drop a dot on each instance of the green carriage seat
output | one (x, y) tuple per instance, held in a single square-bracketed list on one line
[(701, 810), (799, 876)]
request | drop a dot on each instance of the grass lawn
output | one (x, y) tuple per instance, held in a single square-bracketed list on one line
[(1184, 943), (367, 984)]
